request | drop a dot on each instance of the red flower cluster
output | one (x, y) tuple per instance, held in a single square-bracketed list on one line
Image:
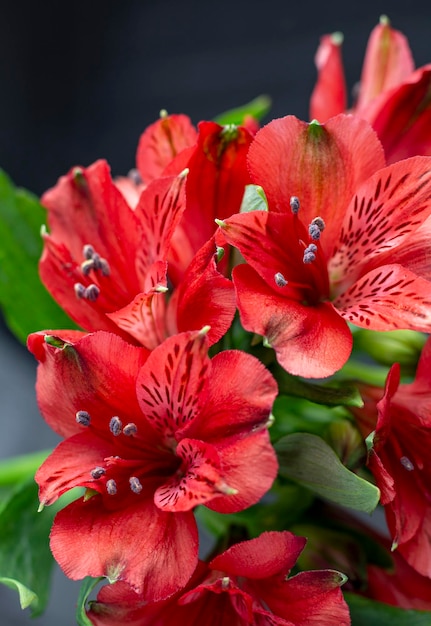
[(158, 416), (398, 427)]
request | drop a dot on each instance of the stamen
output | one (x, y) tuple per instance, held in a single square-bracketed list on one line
[(115, 426), (97, 472), (310, 253), (88, 251), (130, 429), (316, 227), (319, 223), (92, 292), (294, 204), (135, 176), (83, 418), (96, 260), (104, 267), (87, 266), (407, 464), (280, 281), (79, 290), (314, 231), (135, 484), (111, 487), (93, 261)]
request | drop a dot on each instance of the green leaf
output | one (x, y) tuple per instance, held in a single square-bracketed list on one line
[(26, 596), (254, 199), (308, 460), (340, 393), (257, 108), (88, 584), (25, 558), (16, 469), (365, 612), (26, 304)]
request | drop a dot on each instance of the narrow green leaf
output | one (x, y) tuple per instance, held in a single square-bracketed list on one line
[(336, 394), (257, 108), (88, 584), (366, 612), (26, 304), (308, 460), (25, 558)]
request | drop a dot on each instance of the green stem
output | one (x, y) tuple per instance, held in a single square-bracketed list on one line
[(17, 468)]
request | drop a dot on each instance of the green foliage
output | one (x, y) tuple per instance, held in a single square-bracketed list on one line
[(365, 612), (26, 304), (257, 108), (308, 460), (88, 584), (338, 393), (25, 558)]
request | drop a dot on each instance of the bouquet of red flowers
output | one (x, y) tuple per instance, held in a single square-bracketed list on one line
[(245, 371)]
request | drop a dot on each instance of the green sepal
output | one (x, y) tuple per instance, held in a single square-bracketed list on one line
[(257, 108), (254, 199), (88, 584), (26, 304), (365, 612), (306, 459)]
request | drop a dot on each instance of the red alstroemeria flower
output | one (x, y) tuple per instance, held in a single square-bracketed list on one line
[(150, 436), (215, 187), (392, 96), (157, 153), (400, 459), (101, 255), (215, 156), (343, 256), (401, 586), (247, 584)]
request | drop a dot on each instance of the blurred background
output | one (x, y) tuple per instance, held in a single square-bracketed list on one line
[(80, 81)]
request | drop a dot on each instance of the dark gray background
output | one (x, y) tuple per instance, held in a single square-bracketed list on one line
[(79, 81)]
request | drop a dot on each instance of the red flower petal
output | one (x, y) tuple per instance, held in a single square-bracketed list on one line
[(402, 117), (171, 387), (311, 341), (203, 298), (95, 373), (154, 552), (85, 207), (237, 457), (144, 317), (197, 481), (315, 163), (217, 178), (329, 94), (269, 554), (239, 401), (159, 211), (383, 214), (311, 598), (70, 465), (161, 142), (388, 298), (388, 61)]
